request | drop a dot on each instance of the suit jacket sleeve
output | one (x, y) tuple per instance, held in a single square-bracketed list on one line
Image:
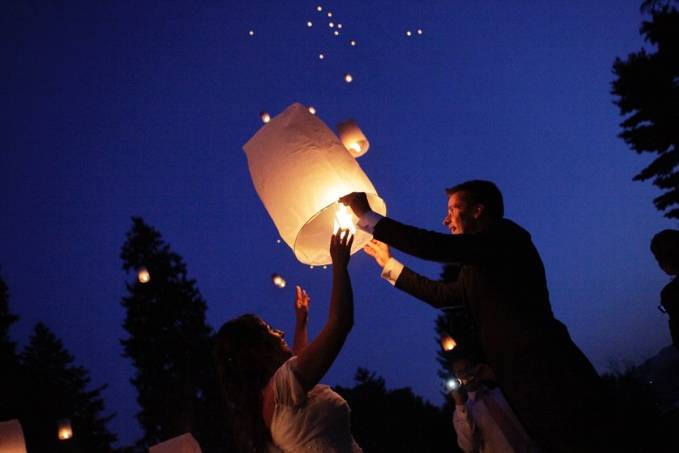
[(432, 246), (437, 294)]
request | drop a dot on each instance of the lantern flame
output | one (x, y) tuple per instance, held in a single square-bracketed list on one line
[(344, 220), (447, 343), (64, 431), (143, 275), (278, 281)]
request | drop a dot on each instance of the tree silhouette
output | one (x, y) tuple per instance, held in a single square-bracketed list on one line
[(647, 91), (169, 345), (395, 420), (57, 389), (9, 376)]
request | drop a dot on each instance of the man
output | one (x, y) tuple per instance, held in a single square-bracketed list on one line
[(550, 384), (665, 248), (483, 420)]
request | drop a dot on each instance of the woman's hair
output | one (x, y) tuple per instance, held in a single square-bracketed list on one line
[(665, 248), (246, 355)]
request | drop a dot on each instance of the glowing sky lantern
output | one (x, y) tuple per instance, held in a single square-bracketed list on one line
[(251, 33), (352, 42), (300, 169), (143, 275), (409, 33), (278, 281), (321, 56), (419, 31), (64, 429), (447, 343), (336, 33), (319, 8), (265, 117), (348, 78), (12, 437), (309, 24), (312, 110), (352, 138)]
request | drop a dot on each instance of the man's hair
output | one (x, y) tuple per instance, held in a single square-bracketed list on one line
[(665, 247), (482, 192)]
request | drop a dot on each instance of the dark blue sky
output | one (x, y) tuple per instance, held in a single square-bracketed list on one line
[(118, 108)]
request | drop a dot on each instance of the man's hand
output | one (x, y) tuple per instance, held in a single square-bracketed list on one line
[(302, 300), (378, 250), (358, 202)]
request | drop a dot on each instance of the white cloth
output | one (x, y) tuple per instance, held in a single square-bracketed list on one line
[(368, 221), (316, 421), (477, 426), (393, 268)]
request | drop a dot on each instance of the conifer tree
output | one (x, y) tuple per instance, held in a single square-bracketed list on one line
[(9, 381), (169, 343), (57, 389), (647, 93)]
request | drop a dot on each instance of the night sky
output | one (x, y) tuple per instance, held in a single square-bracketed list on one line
[(113, 109)]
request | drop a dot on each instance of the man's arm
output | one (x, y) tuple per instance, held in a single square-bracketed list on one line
[(465, 428), (437, 294)]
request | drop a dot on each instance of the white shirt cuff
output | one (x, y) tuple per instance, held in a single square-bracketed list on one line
[(368, 221), (392, 270)]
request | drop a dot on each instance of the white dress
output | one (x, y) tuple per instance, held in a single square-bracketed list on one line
[(316, 421)]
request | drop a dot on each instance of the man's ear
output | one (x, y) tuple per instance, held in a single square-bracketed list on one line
[(479, 209)]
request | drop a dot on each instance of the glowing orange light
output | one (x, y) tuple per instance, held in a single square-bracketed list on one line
[(265, 117), (278, 281), (447, 343), (312, 110), (329, 14), (348, 78), (352, 138), (344, 220), (64, 430), (143, 275)]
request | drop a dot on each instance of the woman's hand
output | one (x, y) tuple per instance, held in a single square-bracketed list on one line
[(302, 301), (340, 247)]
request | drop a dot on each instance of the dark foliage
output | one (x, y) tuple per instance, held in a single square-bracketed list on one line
[(9, 365), (647, 93), (169, 345), (54, 389), (395, 420)]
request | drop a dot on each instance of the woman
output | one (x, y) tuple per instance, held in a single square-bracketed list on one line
[(272, 394)]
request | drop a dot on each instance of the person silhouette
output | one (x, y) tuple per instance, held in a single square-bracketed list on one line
[(665, 248)]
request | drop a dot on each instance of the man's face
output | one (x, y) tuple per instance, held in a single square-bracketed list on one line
[(462, 217), (463, 370)]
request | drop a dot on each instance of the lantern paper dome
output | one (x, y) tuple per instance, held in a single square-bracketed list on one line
[(12, 437), (300, 169), (352, 137)]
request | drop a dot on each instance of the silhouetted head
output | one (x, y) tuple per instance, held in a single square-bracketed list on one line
[(665, 248), (247, 352), (473, 206)]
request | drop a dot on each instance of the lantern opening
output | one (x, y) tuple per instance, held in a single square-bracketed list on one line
[(344, 220), (64, 431), (448, 343)]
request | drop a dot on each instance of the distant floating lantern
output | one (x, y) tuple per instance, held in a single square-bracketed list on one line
[(321, 56), (331, 24), (309, 24), (348, 78), (278, 241), (265, 117), (329, 13), (352, 138), (300, 169), (319, 8), (352, 42), (447, 343), (312, 110), (339, 25), (409, 33), (419, 31), (143, 275), (251, 33), (64, 429), (278, 281), (336, 33)]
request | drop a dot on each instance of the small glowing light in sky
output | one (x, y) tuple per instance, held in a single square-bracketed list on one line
[(319, 8), (321, 56), (251, 33), (447, 343), (331, 24), (278, 241), (348, 78), (352, 42), (329, 13), (339, 25), (336, 33), (311, 267), (64, 429), (143, 275), (419, 31), (278, 281), (265, 117), (409, 33), (325, 267), (309, 24), (312, 110)]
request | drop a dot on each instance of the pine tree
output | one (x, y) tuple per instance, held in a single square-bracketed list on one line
[(57, 389), (169, 344), (9, 380), (647, 93)]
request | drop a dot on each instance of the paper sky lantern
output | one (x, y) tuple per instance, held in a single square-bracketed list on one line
[(300, 169), (265, 117), (352, 137), (64, 429), (12, 437), (185, 443), (278, 281), (348, 78), (312, 110), (447, 343), (143, 275)]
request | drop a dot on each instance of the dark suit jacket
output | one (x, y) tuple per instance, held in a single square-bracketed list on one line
[(502, 283)]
